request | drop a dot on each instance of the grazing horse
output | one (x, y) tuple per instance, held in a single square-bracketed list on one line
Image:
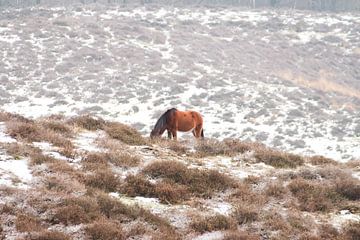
[(174, 120)]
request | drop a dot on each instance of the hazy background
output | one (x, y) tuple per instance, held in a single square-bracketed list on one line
[(319, 5)]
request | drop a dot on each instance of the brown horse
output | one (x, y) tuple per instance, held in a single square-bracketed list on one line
[(174, 120)]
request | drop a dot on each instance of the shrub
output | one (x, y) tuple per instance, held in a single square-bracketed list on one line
[(320, 160), (58, 127), (88, 122), (27, 223), (213, 223), (50, 235), (39, 158), (352, 231), (77, 210), (18, 149), (348, 188), (237, 146), (124, 133), (275, 190), (28, 131), (246, 213), (105, 230), (313, 196), (210, 147), (238, 235), (199, 182), (166, 192), (279, 159), (103, 179)]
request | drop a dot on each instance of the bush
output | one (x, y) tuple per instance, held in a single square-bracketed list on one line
[(39, 158), (50, 235), (213, 223), (105, 230), (352, 231), (124, 133), (201, 183), (348, 188), (279, 159), (320, 160), (88, 122), (103, 179), (28, 131), (166, 192), (246, 213), (27, 223), (58, 127), (238, 235), (210, 147), (313, 197)]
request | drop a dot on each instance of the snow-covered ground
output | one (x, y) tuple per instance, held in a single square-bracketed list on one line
[(289, 79)]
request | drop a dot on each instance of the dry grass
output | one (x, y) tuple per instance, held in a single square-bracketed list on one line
[(105, 230), (103, 179), (5, 117), (117, 158), (348, 188), (210, 147), (239, 235), (39, 158), (320, 160), (50, 235), (213, 223), (58, 127), (124, 133), (77, 211), (312, 196), (278, 159), (18, 150), (243, 194), (88, 122), (275, 189), (166, 192), (27, 223), (27, 131), (246, 213), (352, 231), (202, 183)]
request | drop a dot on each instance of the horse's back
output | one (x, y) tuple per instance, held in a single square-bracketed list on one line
[(188, 120)]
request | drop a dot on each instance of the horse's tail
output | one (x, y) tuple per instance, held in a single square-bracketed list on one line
[(202, 133)]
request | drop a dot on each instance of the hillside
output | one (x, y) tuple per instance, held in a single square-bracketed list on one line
[(87, 178), (288, 79)]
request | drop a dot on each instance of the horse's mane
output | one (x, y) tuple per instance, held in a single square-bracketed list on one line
[(161, 123)]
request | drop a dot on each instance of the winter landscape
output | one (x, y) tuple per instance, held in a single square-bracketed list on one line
[(279, 90)]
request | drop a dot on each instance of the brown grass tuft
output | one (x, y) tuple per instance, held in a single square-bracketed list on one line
[(103, 179), (213, 223), (348, 188), (313, 197), (275, 189), (27, 223), (246, 213), (279, 159), (124, 133), (105, 230), (77, 211), (352, 231), (18, 150), (88, 122), (210, 147), (57, 126), (166, 192), (50, 235), (39, 158), (320, 160), (28, 131), (201, 183), (239, 235), (5, 117)]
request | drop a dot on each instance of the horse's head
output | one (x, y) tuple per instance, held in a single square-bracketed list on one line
[(154, 133)]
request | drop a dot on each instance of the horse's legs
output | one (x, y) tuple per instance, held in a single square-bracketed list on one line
[(197, 131), (174, 133), (169, 134)]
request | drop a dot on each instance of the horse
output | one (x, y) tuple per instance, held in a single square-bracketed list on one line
[(174, 120)]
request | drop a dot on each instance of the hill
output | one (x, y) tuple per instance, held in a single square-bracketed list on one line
[(87, 178)]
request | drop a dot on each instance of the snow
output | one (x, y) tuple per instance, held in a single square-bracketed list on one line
[(15, 168)]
